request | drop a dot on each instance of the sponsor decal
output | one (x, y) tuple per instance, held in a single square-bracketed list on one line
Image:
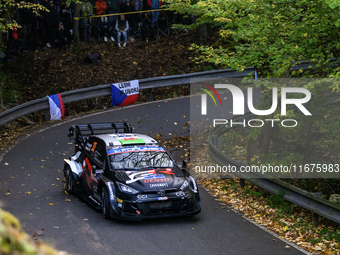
[(122, 150), (147, 176), (90, 197), (142, 196), (112, 196), (94, 146), (180, 194), (123, 136), (162, 198), (156, 180), (158, 185)]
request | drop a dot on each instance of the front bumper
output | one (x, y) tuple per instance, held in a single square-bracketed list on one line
[(155, 208)]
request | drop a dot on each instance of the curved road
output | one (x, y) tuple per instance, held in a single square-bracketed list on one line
[(32, 189)]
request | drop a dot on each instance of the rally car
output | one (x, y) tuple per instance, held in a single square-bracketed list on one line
[(126, 175)]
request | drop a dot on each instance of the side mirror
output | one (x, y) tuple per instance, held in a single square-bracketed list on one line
[(183, 165)]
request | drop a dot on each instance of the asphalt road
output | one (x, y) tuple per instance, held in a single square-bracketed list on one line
[(31, 188)]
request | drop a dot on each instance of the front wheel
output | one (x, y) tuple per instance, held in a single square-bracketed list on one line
[(105, 204), (69, 183)]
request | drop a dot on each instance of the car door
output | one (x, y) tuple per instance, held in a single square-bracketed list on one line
[(93, 161), (98, 159)]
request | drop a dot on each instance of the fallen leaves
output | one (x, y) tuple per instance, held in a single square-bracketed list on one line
[(253, 202)]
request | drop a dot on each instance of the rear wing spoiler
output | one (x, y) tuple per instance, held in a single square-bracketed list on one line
[(76, 132)]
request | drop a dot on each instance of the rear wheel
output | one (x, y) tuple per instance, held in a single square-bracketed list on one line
[(69, 183), (105, 204)]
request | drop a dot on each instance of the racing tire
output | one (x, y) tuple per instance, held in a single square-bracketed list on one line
[(105, 204), (69, 182)]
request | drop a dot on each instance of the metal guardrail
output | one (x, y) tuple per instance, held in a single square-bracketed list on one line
[(105, 90), (292, 194), (157, 82)]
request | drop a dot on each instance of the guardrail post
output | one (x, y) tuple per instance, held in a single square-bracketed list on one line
[(150, 95), (214, 140), (219, 143), (47, 114), (315, 215), (242, 183)]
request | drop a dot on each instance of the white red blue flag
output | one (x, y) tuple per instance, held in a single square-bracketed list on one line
[(57, 109), (124, 93)]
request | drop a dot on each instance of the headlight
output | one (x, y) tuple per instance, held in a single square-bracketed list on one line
[(193, 184), (185, 185), (189, 183), (127, 189)]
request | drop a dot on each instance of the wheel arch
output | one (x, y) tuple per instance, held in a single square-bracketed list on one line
[(75, 167)]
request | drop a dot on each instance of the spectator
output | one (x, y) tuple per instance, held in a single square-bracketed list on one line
[(44, 3), (154, 5), (147, 26), (146, 5), (88, 7), (14, 41), (129, 17), (52, 22), (113, 8), (105, 28), (122, 26), (138, 4), (85, 25), (39, 31), (67, 16), (26, 18), (61, 39), (57, 4), (100, 7)]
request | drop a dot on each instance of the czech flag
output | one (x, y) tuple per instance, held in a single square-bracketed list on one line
[(124, 93), (57, 109)]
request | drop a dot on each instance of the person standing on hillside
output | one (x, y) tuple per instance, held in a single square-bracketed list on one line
[(112, 8), (52, 22), (154, 5), (100, 7)]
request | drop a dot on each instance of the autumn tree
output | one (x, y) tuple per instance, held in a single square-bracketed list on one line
[(271, 35)]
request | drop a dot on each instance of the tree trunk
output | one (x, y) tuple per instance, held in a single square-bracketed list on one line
[(1, 99), (203, 33), (76, 13)]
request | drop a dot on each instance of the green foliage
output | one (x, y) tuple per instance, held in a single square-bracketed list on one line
[(277, 201), (249, 191), (266, 34), (9, 88), (8, 12), (13, 240)]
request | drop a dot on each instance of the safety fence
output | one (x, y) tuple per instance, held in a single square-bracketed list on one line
[(310, 201), (105, 90)]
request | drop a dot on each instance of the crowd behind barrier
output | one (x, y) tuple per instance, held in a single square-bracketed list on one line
[(119, 21)]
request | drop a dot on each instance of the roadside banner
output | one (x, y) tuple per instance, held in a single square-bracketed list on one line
[(57, 109), (124, 93)]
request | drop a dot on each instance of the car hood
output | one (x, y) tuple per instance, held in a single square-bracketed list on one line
[(154, 179)]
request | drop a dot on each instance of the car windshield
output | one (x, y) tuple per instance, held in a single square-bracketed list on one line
[(140, 160)]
